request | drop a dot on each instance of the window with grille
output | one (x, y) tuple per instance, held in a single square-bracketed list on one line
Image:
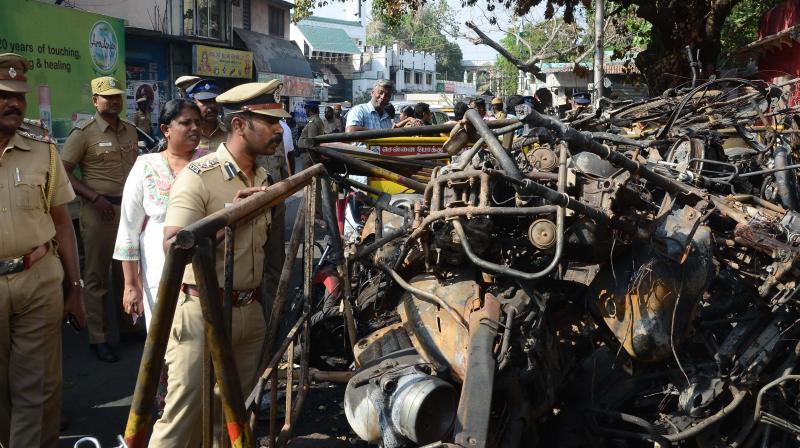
[(203, 18)]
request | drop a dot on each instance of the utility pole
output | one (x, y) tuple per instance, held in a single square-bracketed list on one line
[(599, 21)]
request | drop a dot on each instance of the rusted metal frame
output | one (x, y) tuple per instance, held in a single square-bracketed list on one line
[(219, 343), (363, 251), (477, 211), (227, 314), (155, 347), (287, 413), (472, 417), (253, 399), (584, 141), (560, 215), (246, 208), (373, 156), (425, 295), (495, 147), (352, 183), (373, 134), (372, 170), (757, 413), (208, 398), (337, 255), (382, 205), (308, 275)]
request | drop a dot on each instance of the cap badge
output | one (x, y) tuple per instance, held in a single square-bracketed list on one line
[(277, 94), (12, 72), (112, 82)]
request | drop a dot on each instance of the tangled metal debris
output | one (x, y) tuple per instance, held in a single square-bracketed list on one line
[(625, 279)]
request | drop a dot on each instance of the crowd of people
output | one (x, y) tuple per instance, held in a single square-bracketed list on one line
[(218, 148)]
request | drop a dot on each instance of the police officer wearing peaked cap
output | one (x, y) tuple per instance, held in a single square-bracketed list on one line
[(105, 147), (204, 93), (208, 184), (37, 252)]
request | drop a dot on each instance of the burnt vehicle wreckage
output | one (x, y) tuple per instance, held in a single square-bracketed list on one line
[(626, 278)]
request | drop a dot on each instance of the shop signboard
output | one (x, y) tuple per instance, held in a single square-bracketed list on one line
[(293, 86), (221, 62), (65, 58)]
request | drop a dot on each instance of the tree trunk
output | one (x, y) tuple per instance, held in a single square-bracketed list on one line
[(676, 24)]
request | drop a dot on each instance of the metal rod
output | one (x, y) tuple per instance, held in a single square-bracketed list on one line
[(275, 317), (472, 417), (155, 347), (372, 170), (271, 365), (208, 398), (227, 290), (219, 343), (244, 209), (373, 134), (425, 295), (494, 145), (560, 215)]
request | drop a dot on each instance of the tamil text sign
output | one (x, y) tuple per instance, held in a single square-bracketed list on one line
[(221, 62), (64, 58)]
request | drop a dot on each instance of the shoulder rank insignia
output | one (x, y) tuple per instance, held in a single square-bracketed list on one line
[(200, 166), (84, 124), (34, 136), (230, 170)]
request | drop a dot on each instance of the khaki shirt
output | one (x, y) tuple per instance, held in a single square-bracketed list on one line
[(314, 128), (500, 115), (212, 142), (334, 125), (142, 120), (207, 185), (104, 154), (25, 221)]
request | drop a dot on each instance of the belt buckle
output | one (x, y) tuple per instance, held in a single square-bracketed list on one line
[(12, 266), (245, 298)]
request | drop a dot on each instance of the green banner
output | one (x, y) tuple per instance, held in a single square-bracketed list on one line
[(68, 48)]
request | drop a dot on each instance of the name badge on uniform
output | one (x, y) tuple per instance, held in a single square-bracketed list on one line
[(105, 144)]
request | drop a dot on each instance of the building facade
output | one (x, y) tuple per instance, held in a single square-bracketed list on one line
[(411, 71), (231, 41)]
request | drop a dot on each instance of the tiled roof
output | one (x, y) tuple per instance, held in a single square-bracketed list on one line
[(328, 39)]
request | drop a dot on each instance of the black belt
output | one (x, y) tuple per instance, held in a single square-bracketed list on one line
[(19, 264), (114, 200)]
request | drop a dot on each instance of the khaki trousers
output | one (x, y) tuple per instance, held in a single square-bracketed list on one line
[(31, 305), (98, 247), (181, 423)]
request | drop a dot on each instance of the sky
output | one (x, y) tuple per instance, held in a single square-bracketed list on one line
[(335, 10)]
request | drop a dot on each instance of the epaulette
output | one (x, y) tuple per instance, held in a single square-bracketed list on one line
[(200, 166), (83, 124), (38, 137), (126, 121)]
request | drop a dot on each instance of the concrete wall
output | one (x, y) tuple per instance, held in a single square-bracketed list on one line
[(136, 13)]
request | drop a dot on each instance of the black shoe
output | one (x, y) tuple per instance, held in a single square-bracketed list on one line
[(104, 352)]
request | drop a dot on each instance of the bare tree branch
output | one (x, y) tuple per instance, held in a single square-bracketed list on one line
[(483, 39)]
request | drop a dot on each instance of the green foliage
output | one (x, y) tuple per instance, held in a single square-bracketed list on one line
[(741, 27), (421, 31)]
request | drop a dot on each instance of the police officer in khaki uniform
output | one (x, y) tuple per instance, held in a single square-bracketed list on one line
[(37, 252), (142, 118), (497, 109), (105, 148), (204, 93), (184, 82), (252, 112)]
